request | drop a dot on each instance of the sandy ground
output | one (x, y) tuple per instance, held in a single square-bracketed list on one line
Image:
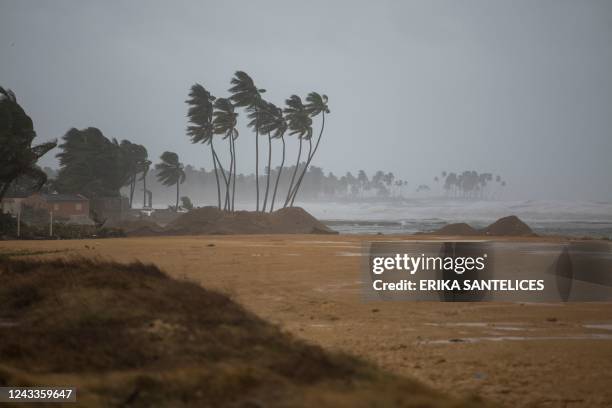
[(536, 355)]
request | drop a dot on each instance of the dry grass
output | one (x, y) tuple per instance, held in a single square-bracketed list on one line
[(128, 335)]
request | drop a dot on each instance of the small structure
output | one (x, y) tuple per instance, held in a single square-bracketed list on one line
[(72, 208), (11, 204), (62, 205)]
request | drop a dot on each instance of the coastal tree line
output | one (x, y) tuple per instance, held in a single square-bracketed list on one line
[(97, 166)]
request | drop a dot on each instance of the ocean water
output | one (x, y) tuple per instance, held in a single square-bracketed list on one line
[(573, 218)]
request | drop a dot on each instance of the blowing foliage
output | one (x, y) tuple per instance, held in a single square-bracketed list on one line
[(18, 157)]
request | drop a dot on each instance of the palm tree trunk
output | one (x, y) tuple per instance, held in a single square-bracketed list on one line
[(269, 172), (280, 171), (297, 164), (177, 195), (234, 181), (299, 180), (132, 188), (229, 180), (212, 152), (220, 167), (144, 188), (257, 161), (310, 156)]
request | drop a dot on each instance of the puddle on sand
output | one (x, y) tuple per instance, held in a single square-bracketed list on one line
[(490, 325), (348, 253), (339, 286), (459, 324), (520, 338), (604, 326), (327, 242)]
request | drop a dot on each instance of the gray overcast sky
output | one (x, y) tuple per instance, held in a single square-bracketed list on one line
[(519, 88)]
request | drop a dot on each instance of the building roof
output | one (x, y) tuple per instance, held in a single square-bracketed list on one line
[(63, 197), (16, 195)]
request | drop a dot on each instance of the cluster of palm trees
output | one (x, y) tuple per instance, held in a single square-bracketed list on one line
[(469, 183), (210, 116)]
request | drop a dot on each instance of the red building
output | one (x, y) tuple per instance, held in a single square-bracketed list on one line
[(61, 205)]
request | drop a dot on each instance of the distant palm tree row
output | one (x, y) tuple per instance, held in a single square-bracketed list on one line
[(470, 184), (210, 116)]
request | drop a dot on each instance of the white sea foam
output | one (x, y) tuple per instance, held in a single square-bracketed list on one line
[(414, 215)]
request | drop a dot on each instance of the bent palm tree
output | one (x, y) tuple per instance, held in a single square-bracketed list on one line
[(224, 123), (263, 118), (300, 124), (170, 172), (17, 155), (200, 116), (275, 125), (316, 104), (246, 94)]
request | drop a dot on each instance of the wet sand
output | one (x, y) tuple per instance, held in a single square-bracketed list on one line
[(540, 355)]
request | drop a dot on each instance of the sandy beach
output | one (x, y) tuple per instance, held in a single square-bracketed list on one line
[(540, 355)]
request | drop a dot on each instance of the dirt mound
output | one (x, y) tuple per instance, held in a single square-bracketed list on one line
[(128, 335), (211, 220), (138, 228), (510, 226), (460, 228)]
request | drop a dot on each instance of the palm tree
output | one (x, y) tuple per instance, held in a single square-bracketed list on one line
[(200, 115), (300, 124), (134, 155), (17, 155), (316, 104), (274, 124), (145, 166), (170, 172), (263, 118), (224, 123), (246, 94)]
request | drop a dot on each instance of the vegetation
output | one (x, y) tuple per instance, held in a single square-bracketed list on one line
[(17, 155), (469, 184), (170, 172), (209, 116), (95, 166), (128, 335), (186, 203)]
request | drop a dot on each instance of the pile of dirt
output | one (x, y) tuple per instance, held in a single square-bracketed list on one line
[(211, 220), (510, 226), (138, 227), (128, 335)]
